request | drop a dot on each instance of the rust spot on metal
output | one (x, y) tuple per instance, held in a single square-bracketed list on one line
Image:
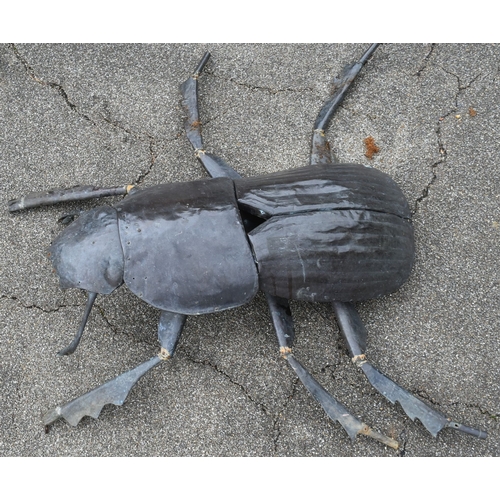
[(323, 148), (371, 147), (196, 124)]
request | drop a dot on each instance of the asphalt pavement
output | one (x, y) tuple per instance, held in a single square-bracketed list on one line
[(110, 115)]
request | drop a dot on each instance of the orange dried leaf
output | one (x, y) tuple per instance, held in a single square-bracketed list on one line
[(371, 147)]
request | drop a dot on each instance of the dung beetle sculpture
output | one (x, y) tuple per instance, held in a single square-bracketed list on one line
[(326, 232)]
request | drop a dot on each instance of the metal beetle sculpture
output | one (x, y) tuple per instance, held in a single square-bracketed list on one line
[(326, 232)]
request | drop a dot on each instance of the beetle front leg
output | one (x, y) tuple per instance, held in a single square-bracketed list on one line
[(354, 333), (115, 391), (283, 324)]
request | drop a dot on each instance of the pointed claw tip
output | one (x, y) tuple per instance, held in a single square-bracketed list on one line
[(468, 430), (51, 416), (367, 431)]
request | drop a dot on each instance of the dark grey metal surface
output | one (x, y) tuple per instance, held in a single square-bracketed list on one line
[(169, 330), (335, 410), (215, 166), (76, 193), (91, 404), (321, 187), (320, 147), (283, 326), (339, 255), (115, 391), (431, 419), (282, 320), (185, 247), (88, 253), (351, 326), (76, 340)]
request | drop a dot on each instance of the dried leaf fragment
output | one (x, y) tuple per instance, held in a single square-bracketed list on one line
[(472, 111), (371, 147)]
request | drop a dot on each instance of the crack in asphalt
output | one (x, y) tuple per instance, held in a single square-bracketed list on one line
[(152, 154), (216, 368), (56, 86), (276, 417), (441, 147), (35, 306), (402, 442), (62, 92), (425, 61), (276, 423), (113, 328), (443, 153), (461, 86), (141, 136), (262, 88)]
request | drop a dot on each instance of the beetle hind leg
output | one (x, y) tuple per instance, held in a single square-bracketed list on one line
[(115, 391), (320, 148), (354, 333), (283, 325)]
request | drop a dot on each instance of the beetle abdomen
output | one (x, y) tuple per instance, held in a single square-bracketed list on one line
[(185, 247), (345, 255)]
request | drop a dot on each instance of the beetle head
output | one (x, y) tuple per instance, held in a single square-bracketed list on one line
[(88, 253)]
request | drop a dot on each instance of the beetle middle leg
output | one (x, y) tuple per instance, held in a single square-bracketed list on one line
[(116, 390), (279, 307), (283, 325)]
